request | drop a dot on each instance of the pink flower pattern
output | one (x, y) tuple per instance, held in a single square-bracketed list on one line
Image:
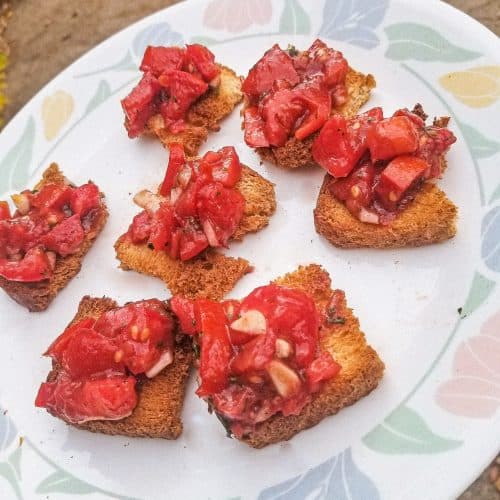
[(235, 16), (474, 388)]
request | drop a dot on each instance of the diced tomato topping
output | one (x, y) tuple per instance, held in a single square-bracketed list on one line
[(259, 356), (199, 205), (174, 78), (51, 196), (84, 199), (162, 223), (391, 137), (138, 106), (216, 350), (184, 310), (222, 166), (203, 60), (276, 64), (316, 99), (59, 345), (4, 210), (184, 88), (398, 177), (192, 240), (110, 398), (255, 135), (292, 95), (95, 358), (158, 60), (34, 266), (322, 368), (65, 238), (140, 229), (332, 149), (176, 161), (87, 353), (378, 164), (222, 209)]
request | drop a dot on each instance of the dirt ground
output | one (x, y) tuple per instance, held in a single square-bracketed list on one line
[(45, 36)]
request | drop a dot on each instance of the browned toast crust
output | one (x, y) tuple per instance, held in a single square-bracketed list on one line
[(204, 116), (212, 274), (429, 218), (159, 408), (361, 370), (38, 295), (295, 153)]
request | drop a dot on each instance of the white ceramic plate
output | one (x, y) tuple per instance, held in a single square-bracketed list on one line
[(433, 424)]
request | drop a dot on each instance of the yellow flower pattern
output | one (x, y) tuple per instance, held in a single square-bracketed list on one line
[(56, 111), (476, 87)]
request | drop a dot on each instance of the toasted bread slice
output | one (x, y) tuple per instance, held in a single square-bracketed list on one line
[(295, 153), (160, 399), (38, 295), (361, 370), (429, 218), (204, 116), (210, 275)]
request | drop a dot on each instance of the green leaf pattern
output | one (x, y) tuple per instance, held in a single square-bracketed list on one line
[(14, 168), (404, 431), (479, 145), (62, 482), (294, 19), (102, 93), (421, 43), (480, 290)]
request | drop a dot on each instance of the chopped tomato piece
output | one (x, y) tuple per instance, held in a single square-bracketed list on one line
[(51, 196), (185, 206), (254, 355), (84, 199), (176, 161), (255, 135), (87, 353), (110, 398), (66, 238), (203, 60), (175, 244), (139, 104), (183, 89), (216, 350), (4, 210), (158, 60), (316, 99), (140, 229), (184, 310), (222, 166), (392, 137), (221, 208), (356, 190), (276, 64), (59, 345), (192, 240), (398, 177), (162, 224), (322, 368), (332, 149), (280, 112), (35, 266)]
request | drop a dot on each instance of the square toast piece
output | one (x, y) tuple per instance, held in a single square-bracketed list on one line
[(211, 274), (160, 399), (37, 296), (361, 369)]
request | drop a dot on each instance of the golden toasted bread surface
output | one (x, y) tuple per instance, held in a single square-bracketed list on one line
[(361, 370), (212, 274), (295, 153), (204, 115), (430, 218), (160, 399), (38, 295)]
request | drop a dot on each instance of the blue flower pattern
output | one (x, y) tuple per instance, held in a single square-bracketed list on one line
[(353, 21), (338, 478), (155, 34)]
